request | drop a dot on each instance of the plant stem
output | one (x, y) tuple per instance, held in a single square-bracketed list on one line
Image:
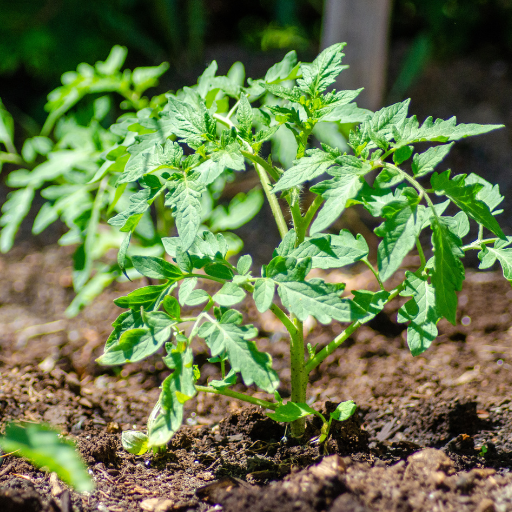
[(480, 231), (375, 273), (313, 208), (238, 396), (476, 245), (336, 342), (290, 327), (423, 261), (298, 375), (272, 200)]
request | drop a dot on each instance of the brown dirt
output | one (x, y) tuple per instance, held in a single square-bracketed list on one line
[(415, 443)]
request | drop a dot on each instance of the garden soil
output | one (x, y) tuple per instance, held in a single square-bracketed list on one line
[(431, 433)]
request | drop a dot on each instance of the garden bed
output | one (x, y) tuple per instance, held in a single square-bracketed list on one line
[(430, 433)]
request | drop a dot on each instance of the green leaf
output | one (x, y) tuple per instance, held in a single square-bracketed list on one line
[(305, 169), (489, 194), (219, 270), (448, 272), (283, 70), (344, 411), (388, 178), (177, 388), (45, 448), (229, 157), (291, 411), (156, 268), (184, 198), (139, 203), (465, 197), (14, 211), (426, 162), (382, 120), (488, 256), (331, 251), (6, 127), (336, 192), (142, 297), (123, 249), (134, 442), (186, 121), (228, 380), (420, 311), (184, 261), (370, 302), (241, 209), (284, 92), (229, 295), (264, 290), (439, 130), (323, 71), (399, 234), (188, 296), (229, 337), (402, 154), (244, 118), (136, 344), (315, 297), (244, 265), (172, 307)]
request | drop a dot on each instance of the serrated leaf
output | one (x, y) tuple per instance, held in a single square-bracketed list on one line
[(245, 117), (488, 256), (176, 389), (331, 251), (370, 302), (264, 290), (184, 198), (489, 194), (229, 295), (254, 366), (133, 345), (465, 197), (244, 264), (291, 411), (388, 178), (315, 297), (142, 297), (45, 448), (439, 130), (344, 411), (286, 93), (186, 121), (382, 120), (139, 203), (399, 234), (323, 71), (229, 157), (305, 169), (420, 311), (336, 192), (424, 163), (448, 272), (134, 442), (156, 268)]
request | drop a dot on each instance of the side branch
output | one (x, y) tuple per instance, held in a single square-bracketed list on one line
[(238, 396)]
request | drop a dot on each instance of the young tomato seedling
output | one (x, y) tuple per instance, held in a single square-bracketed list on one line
[(293, 97)]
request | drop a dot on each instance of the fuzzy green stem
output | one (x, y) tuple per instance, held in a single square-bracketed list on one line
[(423, 260), (375, 273), (477, 244), (336, 342), (480, 231), (313, 208), (239, 396), (290, 327), (298, 375), (256, 159)]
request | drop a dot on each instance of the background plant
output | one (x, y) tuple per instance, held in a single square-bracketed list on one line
[(383, 144), (74, 162)]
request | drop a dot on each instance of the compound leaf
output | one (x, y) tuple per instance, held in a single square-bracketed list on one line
[(420, 311)]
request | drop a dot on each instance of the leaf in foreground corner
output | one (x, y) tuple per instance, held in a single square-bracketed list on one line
[(42, 446)]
